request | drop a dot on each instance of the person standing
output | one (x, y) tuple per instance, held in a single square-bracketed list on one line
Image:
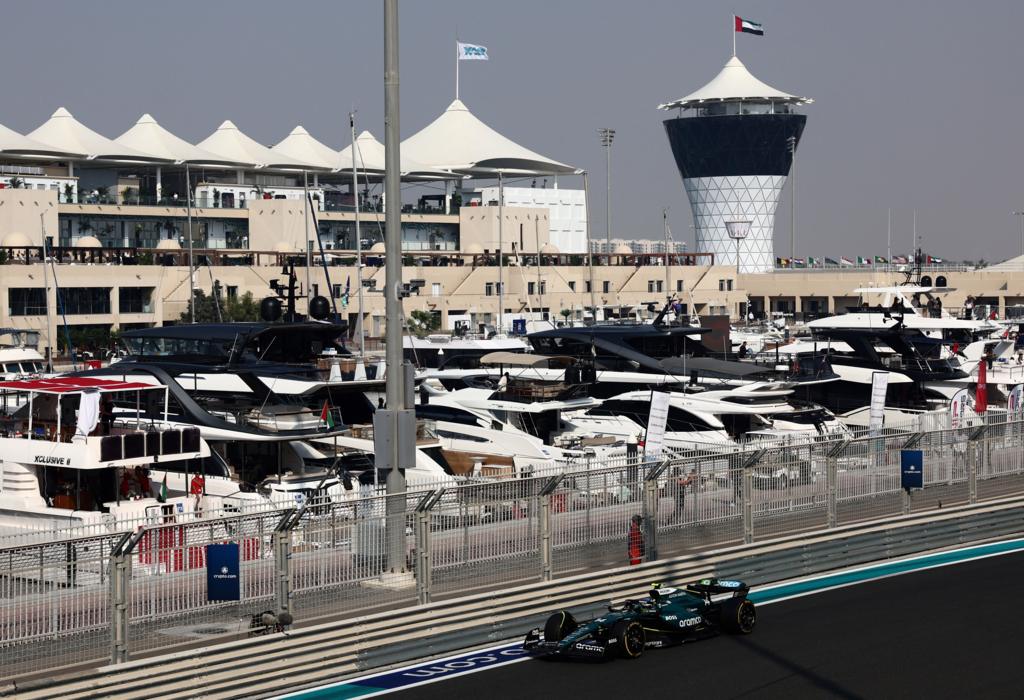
[(637, 550), (682, 483), (743, 351), (969, 308)]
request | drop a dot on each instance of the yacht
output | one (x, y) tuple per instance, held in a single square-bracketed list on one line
[(17, 358), (443, 350), (61, 466)]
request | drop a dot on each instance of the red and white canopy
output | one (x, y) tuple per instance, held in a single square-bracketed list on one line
[(75, 385)]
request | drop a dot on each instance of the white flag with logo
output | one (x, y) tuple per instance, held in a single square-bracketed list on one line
[(876, 412), (960, 410), (472, 52), (656, 423)]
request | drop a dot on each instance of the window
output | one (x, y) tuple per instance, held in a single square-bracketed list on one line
[(80, 301), (659, 286), (26, 301), (135, 300), (606, 286), (232, 291), (728, 285), (721, 285), (543, 287), (489, 289), (336, 291), (572, 285), (435, 289), (587, 286), (531, 288), (679, 285), (650, 285)]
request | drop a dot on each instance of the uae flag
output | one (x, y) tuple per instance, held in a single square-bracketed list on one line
[(326, 417), (846, 261), (748, 27)]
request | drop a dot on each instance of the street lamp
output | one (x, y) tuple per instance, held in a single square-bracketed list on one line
[(607, 136), (738, 230), (1020, 215)]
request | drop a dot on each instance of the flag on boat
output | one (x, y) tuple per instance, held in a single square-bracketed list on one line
[(812, 261), (981, 392), (326, 417), (863, 261), (900, 259), (934, 261), (798, 262), (880, 260), (845, 260), (473, 52), (748, 27), (830, 261), (162, 496)]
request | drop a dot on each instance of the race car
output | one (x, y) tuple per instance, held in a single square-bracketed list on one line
[(666, 617)]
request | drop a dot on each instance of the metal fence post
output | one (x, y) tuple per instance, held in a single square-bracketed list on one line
[(832, 490), (424, 564), (282, 569), (748, 504), (651, 505), (545, 536), (120, 594), (972, 468), (120, 580)]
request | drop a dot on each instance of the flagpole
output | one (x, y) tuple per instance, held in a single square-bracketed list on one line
[(888, 238), (456, 64), (732, 30), (359, 238)]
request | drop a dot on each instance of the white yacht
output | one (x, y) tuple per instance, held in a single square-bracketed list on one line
[(64, 464)]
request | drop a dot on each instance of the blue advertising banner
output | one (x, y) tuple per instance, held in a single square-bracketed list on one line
[(911, 469), (222, 582)]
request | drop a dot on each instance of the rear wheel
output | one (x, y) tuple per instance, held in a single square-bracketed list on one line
[(558, 626), (631, 638), (738, 616)]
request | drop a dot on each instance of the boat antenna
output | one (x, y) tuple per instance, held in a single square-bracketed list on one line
[(323, 260)]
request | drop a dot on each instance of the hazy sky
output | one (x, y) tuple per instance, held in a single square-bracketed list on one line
[(917, 104)]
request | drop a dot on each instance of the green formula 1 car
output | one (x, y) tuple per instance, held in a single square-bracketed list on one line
[(668, 616)]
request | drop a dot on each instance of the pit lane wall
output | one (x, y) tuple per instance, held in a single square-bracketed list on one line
[(273, 664)]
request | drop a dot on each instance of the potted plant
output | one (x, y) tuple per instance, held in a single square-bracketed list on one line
[(69, 193), (216, 197), (128, 196), (16, 183)]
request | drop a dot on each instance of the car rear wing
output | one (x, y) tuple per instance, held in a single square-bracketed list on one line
[(713, 586)]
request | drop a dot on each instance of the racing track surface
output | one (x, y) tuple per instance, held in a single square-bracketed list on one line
[(953, 631)]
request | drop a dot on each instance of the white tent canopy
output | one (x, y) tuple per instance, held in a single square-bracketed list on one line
[(11, 142), (370, 160), (458, 141), (734, 82), (148, 136), (65, 133), (230, 143), (300, 145)]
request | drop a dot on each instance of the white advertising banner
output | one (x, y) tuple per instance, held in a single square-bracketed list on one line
[(879, 386), (960, 409), (1015, 403), (656, 422)]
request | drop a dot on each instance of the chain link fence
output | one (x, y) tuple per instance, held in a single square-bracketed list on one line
[(93, 597)]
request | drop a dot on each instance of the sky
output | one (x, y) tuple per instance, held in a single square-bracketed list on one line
[(918, 105)]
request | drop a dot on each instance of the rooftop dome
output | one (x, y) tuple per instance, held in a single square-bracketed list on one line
[(377, 248), (734, 83), (168, 244), (88, 242), (549, 249), (623, 249), (16, 239)]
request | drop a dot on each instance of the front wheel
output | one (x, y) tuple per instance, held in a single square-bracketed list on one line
[(559, 626), (738, 616), (631, 638)]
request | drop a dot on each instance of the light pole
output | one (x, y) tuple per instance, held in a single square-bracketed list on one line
[(791, 145), (607, 136), (1020, 215)]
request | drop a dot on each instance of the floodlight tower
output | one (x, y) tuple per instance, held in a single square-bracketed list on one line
[(734, 141)]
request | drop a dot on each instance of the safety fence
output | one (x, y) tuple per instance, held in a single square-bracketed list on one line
[(119, 595)]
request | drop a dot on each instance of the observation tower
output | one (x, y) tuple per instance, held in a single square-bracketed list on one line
[(734, 140)]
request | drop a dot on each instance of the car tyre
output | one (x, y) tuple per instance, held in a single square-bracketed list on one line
[(559, 626), (631, 638), (739, 616)]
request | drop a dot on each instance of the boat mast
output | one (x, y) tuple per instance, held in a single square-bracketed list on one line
[(359, 240)]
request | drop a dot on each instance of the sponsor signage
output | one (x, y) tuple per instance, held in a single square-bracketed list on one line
[(1015, 403), (656, 422), (222, 565), (959, 407), (876, 414), (911, 469)]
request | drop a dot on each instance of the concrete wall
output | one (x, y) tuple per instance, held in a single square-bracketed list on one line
[(522, 228), (20, 210)]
